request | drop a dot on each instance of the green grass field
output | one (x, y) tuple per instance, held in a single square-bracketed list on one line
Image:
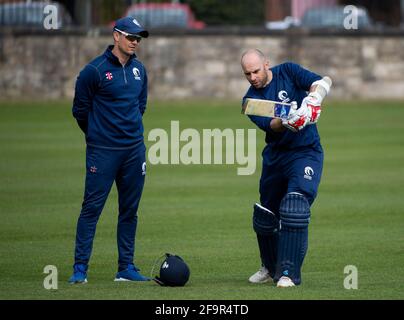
[(202, 212)]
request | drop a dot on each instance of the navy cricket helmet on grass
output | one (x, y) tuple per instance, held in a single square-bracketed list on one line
[(174, 272)]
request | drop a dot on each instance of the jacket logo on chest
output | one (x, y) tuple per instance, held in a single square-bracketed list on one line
[(136, 73), (283, 96), (109, 76)]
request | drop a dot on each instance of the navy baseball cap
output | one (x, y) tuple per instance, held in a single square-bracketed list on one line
[(131, 26)]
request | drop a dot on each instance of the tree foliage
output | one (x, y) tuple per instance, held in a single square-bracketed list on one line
[(212, 12), (228, 12)]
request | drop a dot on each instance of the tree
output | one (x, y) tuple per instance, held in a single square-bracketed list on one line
[(228, 12)]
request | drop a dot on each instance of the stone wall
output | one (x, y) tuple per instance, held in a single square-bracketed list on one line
[(41, 65)]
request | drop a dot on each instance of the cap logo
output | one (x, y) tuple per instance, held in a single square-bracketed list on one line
[(136, 23)]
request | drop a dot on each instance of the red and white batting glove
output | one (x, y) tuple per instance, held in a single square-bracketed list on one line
[(311, 102), (297, 118)]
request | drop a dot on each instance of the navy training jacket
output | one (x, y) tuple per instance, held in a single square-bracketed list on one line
[(110, 100)]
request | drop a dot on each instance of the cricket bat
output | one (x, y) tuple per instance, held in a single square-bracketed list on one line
[(266, 108), (275, 109)]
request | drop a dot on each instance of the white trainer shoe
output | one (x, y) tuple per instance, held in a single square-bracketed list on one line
[(261, 276), (285, 282)]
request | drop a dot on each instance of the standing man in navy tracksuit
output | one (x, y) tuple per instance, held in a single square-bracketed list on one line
[(292, 165), (109, 102)]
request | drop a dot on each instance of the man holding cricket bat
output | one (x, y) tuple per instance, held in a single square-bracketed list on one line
[(292, 161)]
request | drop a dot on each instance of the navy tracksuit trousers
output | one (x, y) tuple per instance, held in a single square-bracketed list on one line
[(293, 172), (104, 166)]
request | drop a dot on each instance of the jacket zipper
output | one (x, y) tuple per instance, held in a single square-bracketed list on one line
[(124, 74)]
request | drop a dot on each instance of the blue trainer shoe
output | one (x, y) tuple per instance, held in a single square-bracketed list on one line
[(130, 274), (79, 273)]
